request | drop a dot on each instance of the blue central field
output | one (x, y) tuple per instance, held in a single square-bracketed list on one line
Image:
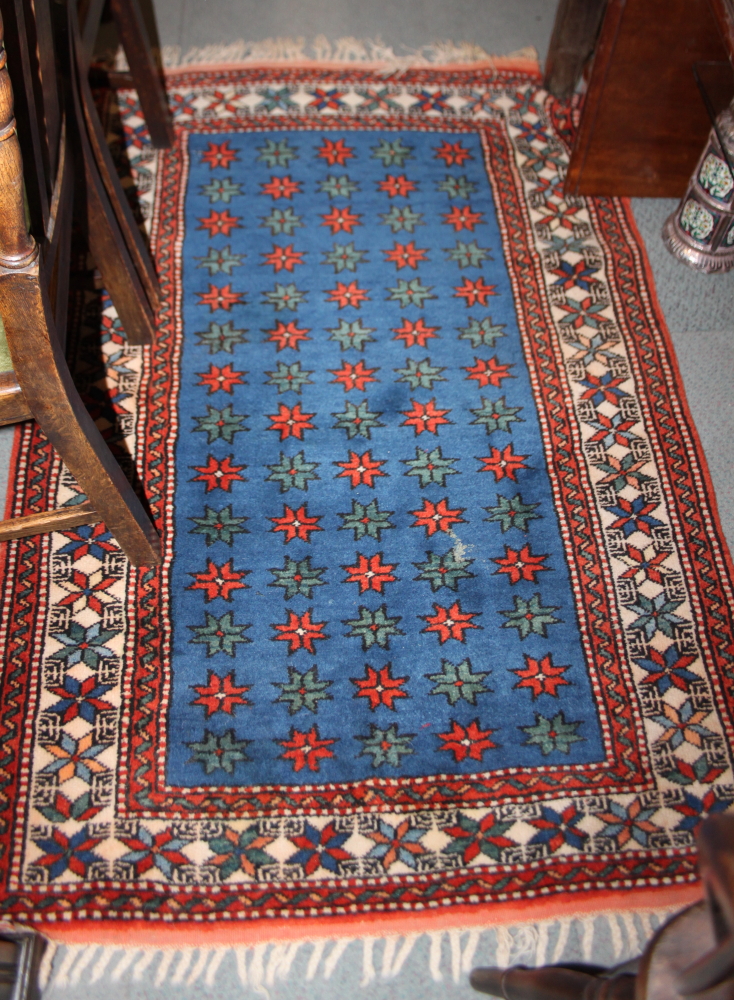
[(368, 577)]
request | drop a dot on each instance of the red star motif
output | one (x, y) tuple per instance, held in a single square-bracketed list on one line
[(341, 219), (504, 463), (220, 222), (218, 474), (488, 372), (379, 687), (347, 295), (370, 573), (296, 524), (291, 422), (287, 335), (541, 676), (436, 516), (218, 581), (306, 749), (361, 469), (474, 291), (452, 153), (449, 623), (414, 332), (395, 186), (467, 741), (284, 258), (462, 218), (219, 155), (220, 298), (300, 632), (281, 187), (353, 376), (522, 565), (424, 417), (220, 694), (405, 255), (224, 378), (336, 152)]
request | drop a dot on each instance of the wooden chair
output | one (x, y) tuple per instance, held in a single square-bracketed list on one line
[(692, 955), (34, 271)]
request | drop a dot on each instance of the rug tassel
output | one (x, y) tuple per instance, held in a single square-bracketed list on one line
[(368, 969), (587, 938), (199, 965), (504, 947), (62, 976), (257, 967), (160, 976), (403, 952), (100, 966), (82, 962), (127, 959), (541, 946), (313, 962), (216, 960), (335, 954), (241, 960), (143, 962), (564, 929), (44, 970), (434, 957), (388, 954)]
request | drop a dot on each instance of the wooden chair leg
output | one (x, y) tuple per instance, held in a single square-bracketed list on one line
[(95, 138), (109, 248), (42, 371), (146, 77)]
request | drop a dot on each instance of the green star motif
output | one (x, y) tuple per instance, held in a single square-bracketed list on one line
[(374, 627), (221, 261), (623, 472), (420, 374), (222, 337), (366, 519), (478, 836), (512, 512), (352, 334), (221, 190), (552, 734), (221, 424), (496, 416), (457, 187), (530, 617), (292, 472), (289, 377), (392, 154), (303, 690), (430, 466), (241, 850), (444, 571), (482, 334), (282, 220), (357, 420), (297, 577), (344, 256), (402, 218), (276, 154), (284, 297), (459, 683), (410, 293), (218, 752), (338, 187), (386, 746), (218, 525), (220, 635), (468, 255)]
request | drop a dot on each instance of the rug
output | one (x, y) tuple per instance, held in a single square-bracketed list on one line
[(444, 622)]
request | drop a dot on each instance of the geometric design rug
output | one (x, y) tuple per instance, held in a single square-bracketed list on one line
[(445, 613)]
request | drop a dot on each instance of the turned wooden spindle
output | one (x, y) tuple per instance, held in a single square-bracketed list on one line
[(17, 246)]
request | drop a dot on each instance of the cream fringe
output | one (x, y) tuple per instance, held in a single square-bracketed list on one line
[(342, 50), (451, 954)]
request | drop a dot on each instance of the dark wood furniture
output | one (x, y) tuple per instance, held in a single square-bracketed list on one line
[(34, 271), (643, 123), (691, 956)]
